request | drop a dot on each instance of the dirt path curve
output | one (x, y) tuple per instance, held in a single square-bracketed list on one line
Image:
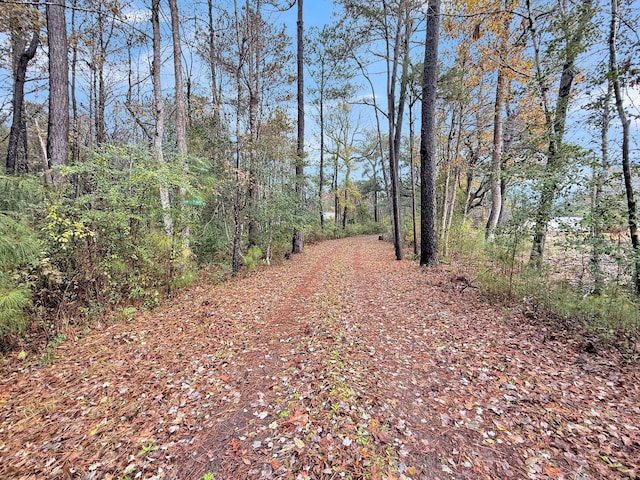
[(343, 363)]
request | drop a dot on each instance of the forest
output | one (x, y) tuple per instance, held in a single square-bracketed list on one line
[(276, 239), (148, 144)]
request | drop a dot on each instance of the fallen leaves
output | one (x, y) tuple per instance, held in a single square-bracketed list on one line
[(342, 362)]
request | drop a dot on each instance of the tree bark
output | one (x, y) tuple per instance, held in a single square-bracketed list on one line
[(215, 100), (428, 220), (413, 183), (100, 89), (58, 127), (17, 123), (181, 115), (394, 117), (158, 105), (496, 157), (298, 241), (237, 221), (254, 80), (321, 168), (632, 214), (555, 123)]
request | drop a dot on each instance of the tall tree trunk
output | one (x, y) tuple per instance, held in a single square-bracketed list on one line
[(58, 127), (555, 123), (17, 122), (394, 117), (215, 100), (632, 214), (99, 71), (237, 221), (298, 240), (158, 105), (498, 126), (336, 197), (413, 182), (385, 175), (428, 220), (321, 168), (75, 140), (496, 157), (600, 175), (256, 38), (181, 115)]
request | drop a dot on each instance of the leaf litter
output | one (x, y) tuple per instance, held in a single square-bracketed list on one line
[(341, 363)]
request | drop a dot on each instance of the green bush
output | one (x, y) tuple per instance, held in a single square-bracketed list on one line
[(613, 314), (110, 240), (252, 258), (20, 254)]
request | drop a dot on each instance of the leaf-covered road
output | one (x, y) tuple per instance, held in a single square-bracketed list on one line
[(342, 363)]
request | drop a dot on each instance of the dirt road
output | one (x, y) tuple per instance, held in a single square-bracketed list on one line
[(341, 363)]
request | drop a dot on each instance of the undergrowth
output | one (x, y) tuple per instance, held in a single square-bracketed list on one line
[(503, 270)]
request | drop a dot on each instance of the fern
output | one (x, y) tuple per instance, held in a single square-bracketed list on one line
[(18, 243), (12, 305)]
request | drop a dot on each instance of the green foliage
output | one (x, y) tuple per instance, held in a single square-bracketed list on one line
[(252, 258), (109, 240), (57, 340), (466, 244), (148, 448), (12, 304), (20, 253), (613, 314)]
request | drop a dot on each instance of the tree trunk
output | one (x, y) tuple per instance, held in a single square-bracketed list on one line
[(496, 157), (413, 183), (385, 176), (555, 123), (58, 127), (75, 140), (158, 105), (99, 71), (626, 125), (237, 221), (428, 220), (394, 116), (215, 100), (598, 210), (254, 81), (452, 208), (17, 123), (321, 168), (181, 115), (297, 233)]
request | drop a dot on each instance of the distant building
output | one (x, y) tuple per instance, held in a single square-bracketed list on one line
[(566, 224)]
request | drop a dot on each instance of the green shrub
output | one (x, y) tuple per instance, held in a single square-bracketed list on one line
[(20, 254), (613, 314), (109, 240), (252, 258)]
